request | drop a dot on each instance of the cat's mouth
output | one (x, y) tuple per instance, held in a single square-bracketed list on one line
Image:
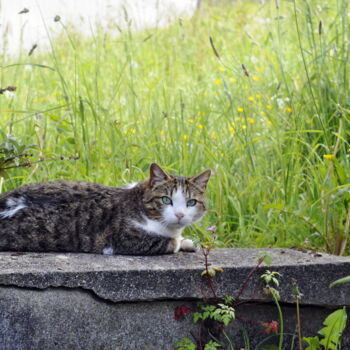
[(178, 224)]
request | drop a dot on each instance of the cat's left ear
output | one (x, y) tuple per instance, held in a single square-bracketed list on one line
[(157, 174), (201, 179)]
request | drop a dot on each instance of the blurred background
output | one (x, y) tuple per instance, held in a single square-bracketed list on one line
[(25, 31)]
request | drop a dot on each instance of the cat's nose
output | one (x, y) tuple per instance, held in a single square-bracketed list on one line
[(179, 215)]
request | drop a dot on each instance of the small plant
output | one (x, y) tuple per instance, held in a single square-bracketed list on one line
[(271, 281), (187, 344), (215, 313), (221, 312), (330, 334), (13, 153)]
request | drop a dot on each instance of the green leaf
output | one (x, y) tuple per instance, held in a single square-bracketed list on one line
[(339, 281), (268, 260), (212, 345), (270, 347), (228, 299), (197, 316), (29, 64), (313, 343), (185, 344), (334, 326)]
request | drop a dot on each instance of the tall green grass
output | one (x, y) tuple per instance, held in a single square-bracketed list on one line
[(275, 131)]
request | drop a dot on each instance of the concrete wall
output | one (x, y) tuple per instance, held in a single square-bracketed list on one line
[(83, 301)]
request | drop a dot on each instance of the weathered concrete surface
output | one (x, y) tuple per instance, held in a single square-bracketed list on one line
[(135, 278), (82, 301), (72, 319)]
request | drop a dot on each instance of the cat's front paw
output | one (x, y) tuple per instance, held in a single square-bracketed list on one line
[(187, 246)]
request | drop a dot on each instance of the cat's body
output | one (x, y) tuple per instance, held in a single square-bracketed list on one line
[(143, 218)]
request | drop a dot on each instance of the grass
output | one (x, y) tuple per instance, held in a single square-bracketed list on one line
[(268, 112)]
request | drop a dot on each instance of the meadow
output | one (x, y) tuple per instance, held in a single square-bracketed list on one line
[(256, 91)]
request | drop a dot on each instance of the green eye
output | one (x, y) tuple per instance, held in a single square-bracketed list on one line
[(167, 200), (191, 203)]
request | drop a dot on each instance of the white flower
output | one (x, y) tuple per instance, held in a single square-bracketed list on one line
[(280, 103), (9, 94), (253, 59), (122, 101), (263, 20)]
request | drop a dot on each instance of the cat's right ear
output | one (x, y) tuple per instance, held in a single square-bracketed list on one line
[(157, 174)]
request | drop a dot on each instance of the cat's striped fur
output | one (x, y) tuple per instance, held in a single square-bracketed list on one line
[(143, 218)]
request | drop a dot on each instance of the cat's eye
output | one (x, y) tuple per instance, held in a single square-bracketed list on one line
[(167, 200), (191, 203)]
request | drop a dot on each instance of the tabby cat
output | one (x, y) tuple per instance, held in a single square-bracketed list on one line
[(143, 218)]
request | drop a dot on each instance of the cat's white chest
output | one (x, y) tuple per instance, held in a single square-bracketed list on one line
[(155, 227)]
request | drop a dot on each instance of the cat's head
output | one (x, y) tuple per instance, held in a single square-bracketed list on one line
[(175, 201)]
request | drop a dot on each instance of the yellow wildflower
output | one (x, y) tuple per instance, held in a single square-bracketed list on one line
[(237, 119), (251, 98), (268, 122), (222, 154), (240, 109), (185, 137), (250, 120), (269, 107), (217, 82), (190, 121), (232, 80), (257, 96), (255, 78), (244, 127), (328, 156), (200, 126), (288, 109), (231, 130), (233, 123), (129, 131), (222, 68)]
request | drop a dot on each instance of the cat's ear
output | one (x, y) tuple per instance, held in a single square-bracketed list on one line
[(201, 179), (157, 174)]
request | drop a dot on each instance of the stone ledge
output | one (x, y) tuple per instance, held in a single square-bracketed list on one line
[(177, 277)]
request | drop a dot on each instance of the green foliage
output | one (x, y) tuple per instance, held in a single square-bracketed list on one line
[(228, 300), (211, 271), (271, 347), (212, 345), (313, 343), (220, 312), (340, 281), (13, 152), (187, 344), (331, 333), (269, 277), (266, 258), (184, 344)]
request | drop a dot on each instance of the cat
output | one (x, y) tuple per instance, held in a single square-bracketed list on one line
[(143, 218)]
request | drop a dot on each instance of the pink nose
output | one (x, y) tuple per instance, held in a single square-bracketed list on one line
[(179, 215)]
